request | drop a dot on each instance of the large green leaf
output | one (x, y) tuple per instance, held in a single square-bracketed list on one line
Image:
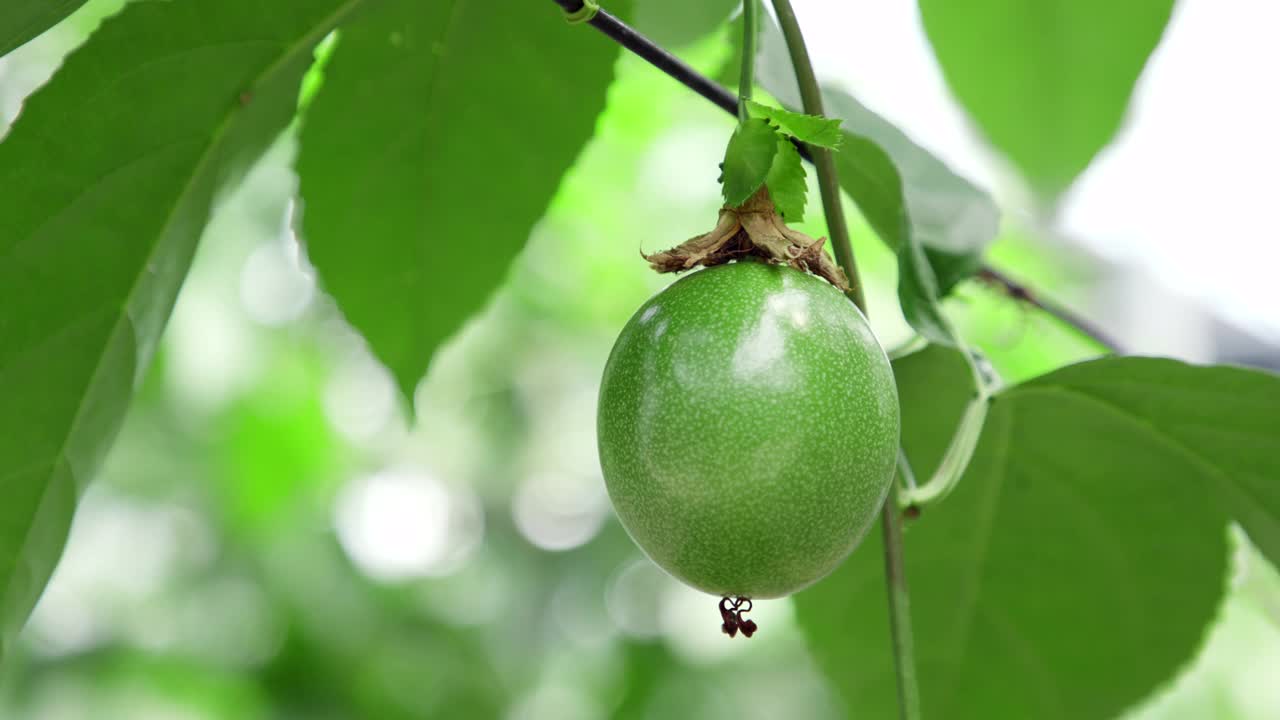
[(1223, 421), (1078, 563), (22, 20), (438, 139), (1048, 81), (108, 178), (934, 385)]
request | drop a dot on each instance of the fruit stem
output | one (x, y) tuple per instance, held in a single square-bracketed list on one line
[(747, 78), (891, 521), (828, 180)]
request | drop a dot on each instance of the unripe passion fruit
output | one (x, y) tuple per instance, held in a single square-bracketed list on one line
[(748, 429)]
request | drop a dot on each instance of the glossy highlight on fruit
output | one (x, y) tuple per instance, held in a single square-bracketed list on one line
[(748, 429)]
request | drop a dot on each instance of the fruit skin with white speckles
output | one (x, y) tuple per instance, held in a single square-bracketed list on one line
[(748, 429)]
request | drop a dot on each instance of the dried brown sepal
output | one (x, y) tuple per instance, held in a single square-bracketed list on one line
[(752, 229)]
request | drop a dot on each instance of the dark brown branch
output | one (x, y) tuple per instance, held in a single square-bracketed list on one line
[(627, 37), (1020, 292)]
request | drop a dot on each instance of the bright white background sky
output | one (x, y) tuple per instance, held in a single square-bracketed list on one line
[(1188, 191)]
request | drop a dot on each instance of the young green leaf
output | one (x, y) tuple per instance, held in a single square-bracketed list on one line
[(23, 20), (1085, 551), (1047, 81), (109, 174), (811, 129), (747, 160), (417, 203), (786, 181)]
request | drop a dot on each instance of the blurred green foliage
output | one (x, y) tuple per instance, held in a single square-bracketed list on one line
[(223, 566), (1048, 81)]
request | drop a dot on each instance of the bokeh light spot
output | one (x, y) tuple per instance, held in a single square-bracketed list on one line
[(402, 524), (275, 288), (557, 511)]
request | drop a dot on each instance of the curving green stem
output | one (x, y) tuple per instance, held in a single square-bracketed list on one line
[(891, 520), (956, 458)]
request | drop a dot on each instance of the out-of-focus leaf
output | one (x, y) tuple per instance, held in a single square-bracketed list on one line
[(786, 182), (902, 189), (279, 448), (1047, 81), (918, 295), (676, 23), (438, 139), (934, 385), (109, 174), (747, 160), (731, 68), (22, 20), (811, 129), (951, 218), (869, 175), (1078, 563)]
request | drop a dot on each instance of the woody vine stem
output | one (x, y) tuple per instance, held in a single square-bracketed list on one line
[(890, 521)]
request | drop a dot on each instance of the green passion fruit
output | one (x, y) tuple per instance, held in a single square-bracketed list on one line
[(748, 429)]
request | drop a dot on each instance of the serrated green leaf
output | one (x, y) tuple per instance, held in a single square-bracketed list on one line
[(23, 20), (109, 174), (676, 23), (786, 182), (419, 183), (1047, 81), (1077, 565), (811, 129), (747, 160)]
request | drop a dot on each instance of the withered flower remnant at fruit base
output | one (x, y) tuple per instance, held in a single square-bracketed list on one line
[(753, 229)]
